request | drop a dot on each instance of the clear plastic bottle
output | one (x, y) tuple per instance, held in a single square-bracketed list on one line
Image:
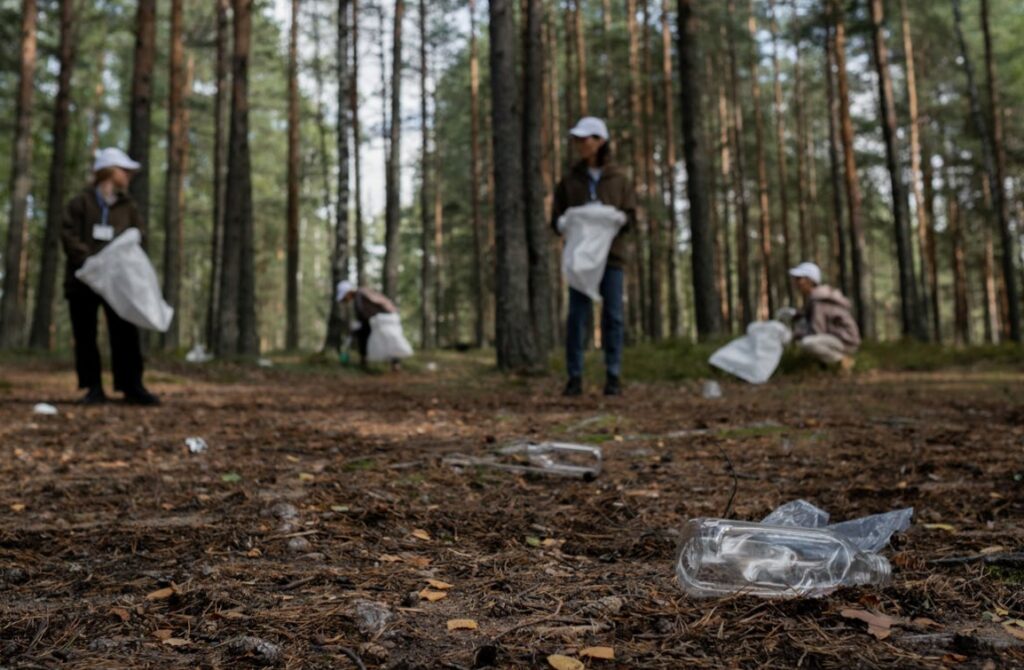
[(719, 557)]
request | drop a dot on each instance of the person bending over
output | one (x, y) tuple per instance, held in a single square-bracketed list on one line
[(366, 303), (825, 329)]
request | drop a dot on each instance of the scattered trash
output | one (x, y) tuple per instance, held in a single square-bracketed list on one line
[(198, 354), (579, 461), (793, 552), (264, 362), (196, 445), (372, 616), (45, 408), (754, 357), (712, 390), (259, 650), (432, 367), (283, 510), (387, 341)]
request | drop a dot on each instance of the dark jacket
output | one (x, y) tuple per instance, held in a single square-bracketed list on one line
[(615, 189), (80, 215), (827, 312), (370, 303)]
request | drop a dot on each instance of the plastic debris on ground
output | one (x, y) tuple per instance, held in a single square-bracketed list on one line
[(198, 354), (264, 362), (755, 356), (711, 390), (44, 408), (560, 459), (793, 552), (196, 445)]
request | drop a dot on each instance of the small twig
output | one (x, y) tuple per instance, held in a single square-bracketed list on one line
[(735, 482), (1007, 560), (298, 582), (353, 656)]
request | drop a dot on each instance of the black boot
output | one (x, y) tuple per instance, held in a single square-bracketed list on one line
[(573, 388), (95, 396), (612, 385), (141, 396)]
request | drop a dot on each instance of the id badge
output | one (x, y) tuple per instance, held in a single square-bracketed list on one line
[(102, 233)]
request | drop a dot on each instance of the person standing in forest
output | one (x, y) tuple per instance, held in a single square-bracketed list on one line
[(367, 303), (594, 178), (101, 212), (825, 329)]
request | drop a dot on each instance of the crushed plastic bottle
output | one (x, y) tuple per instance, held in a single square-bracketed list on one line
[(562, 459), (196, 445), (711, 390), (44, 408), (720, 557)]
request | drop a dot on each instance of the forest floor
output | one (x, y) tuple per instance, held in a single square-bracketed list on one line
[(323, 503)]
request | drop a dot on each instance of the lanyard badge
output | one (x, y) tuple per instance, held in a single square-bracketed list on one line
[(102, 231)]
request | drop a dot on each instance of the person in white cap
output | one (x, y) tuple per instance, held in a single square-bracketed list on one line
[(825, 329), (594, 178), (101, 212), (366, 304)]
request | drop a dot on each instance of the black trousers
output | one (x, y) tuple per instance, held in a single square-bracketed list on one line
[(125, 347), (362, 336)]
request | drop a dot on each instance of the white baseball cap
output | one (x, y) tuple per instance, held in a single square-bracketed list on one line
[(807, 269), (343, 288), (114, 157), (590, 126)]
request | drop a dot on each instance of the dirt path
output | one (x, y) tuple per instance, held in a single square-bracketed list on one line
[(323, 500)]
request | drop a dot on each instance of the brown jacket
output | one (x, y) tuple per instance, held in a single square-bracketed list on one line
[(827, 312), (614, 188), (370, 303), (80, 215)]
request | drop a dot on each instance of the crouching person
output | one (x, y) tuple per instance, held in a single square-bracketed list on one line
[(366, 303), (825, 329)]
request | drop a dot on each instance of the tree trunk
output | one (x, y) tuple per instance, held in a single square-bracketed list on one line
[(766, 296), (440, 284), (639, 176), (913, 325), (142, 101), (581, 58), (656, 264), (392, 211), (41, 336), (724, 140), (801, 158), (12, 306), (669, 167), (606, 61), (428, 335), (739, 176), (357, 143), (838, 234), (958, 260), (705, 295), (338, 319), (538, 233), (173, 184), (292, 216), (853, 199), (237, 334), (214, 306), (516, 347), (1002, 206), (930, 250), (479, 234), (780, 151), (916, 171)]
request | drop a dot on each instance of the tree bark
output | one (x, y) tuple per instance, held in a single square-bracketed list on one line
[(669, 167), (930, 250), (801, 157), (220, 107), (392, 210), (41, 336), (1002, 206), (357, 143), (739, 187), (705, 294), (338, 319), (174, 183), (656, 263), (853, 198), (958, 260), (639, 176), (292, 223), (724, 140), (838, 234), (766, 295), (142, 101), (479, 234), (12, 306), (537, 231), (428, 335), (581, 58), (516, 347), (780, 156), (606, 61), (913, 325)]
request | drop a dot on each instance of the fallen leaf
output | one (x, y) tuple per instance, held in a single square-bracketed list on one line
[(940, 526), (306, 477), (254, 553), (533, 540), (1002, 611), (1015, 627), (416, 561), (643, 493), (432, 596), (176, 642), (924, 622), (389, 558), (953, 658), (293, 459), (161, 594), (559, 662), (163, 633), (339, 508), (462, 624), (992, 550), (551, 542), (17, 507), (606, 653), (121, 613), (231, 477), (438, 584), (167, 507), (879, 625), (233, 615), (421, 534)]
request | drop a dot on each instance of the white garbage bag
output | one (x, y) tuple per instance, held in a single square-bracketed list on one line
[(387, 342), (122, 275), (589, 231), (754, 357)]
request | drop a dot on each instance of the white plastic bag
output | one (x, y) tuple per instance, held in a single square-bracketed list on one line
[(387, 342), (122, 275), (754, 357), (589, 232)]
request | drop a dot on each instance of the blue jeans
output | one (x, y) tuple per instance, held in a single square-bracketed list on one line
[(612, 324)]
